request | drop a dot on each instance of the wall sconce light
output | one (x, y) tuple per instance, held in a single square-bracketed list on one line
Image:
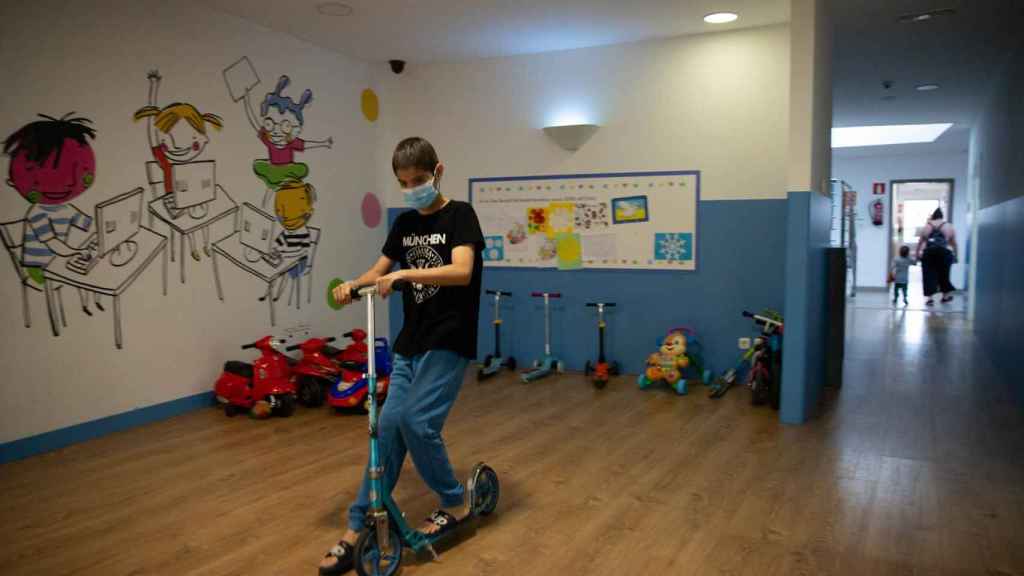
[(572, 136)]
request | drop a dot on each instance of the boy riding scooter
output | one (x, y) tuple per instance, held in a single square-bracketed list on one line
[(438, 247)]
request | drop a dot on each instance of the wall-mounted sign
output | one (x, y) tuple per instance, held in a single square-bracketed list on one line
[(878, 188)]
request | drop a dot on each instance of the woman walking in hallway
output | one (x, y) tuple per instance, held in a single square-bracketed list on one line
[(937, 251)]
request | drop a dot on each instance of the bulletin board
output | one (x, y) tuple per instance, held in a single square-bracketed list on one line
[(636, 220)]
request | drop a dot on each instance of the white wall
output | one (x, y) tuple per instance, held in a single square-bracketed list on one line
[(73, 56), (716, 103), (872, 241), (810, 104)]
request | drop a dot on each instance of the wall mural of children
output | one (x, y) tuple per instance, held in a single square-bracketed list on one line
[(278, 127), (175, 142), (293, 205), (51, 164)]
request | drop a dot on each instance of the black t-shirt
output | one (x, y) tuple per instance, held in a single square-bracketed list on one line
[(437, 317)]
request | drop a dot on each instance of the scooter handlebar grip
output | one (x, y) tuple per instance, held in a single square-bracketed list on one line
[(248, 346), (748, 314), (605, 304), (347, 335), (502, 292), (330, 339), (293, 347), (549, 294)]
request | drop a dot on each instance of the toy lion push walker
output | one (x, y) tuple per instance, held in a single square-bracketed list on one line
[(378, 552), (548, 364), (599, 373), (493, 363)]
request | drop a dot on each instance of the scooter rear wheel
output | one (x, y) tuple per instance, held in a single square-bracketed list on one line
[(370, 561)]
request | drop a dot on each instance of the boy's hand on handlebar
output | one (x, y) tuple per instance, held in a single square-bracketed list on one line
[(385, 283), (343, 293)]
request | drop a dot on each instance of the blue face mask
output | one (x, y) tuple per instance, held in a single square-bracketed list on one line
[(420, 197)]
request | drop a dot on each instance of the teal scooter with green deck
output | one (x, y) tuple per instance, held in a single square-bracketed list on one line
[(378, 552)]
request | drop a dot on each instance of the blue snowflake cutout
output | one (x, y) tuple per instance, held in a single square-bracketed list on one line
[(494, 248), (673, 246)]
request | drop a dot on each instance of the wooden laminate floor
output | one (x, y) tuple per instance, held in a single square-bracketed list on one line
[(916, 467)]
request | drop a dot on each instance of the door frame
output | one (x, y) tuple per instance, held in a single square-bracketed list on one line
[(892, 207)]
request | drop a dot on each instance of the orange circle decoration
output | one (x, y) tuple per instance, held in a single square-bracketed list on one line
[(370, 105)]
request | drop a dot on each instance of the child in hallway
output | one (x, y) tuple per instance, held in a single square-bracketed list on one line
[(899, 272)]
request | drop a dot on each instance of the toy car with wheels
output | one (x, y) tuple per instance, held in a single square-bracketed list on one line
[(350, 389), (316, 370), (264, 388)]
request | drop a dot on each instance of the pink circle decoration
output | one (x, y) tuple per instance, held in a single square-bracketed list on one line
[(371, 210)]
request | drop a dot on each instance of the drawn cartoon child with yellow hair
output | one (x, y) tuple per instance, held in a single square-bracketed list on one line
[(293, 204), (177, 135)]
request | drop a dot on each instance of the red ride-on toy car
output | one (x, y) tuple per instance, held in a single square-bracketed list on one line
[(350, 391), (264, 387), (316, 371)]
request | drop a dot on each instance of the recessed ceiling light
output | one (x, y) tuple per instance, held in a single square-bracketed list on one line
[(926, 87), (334, 9), (926, 16), (852, 136), (721, 17)]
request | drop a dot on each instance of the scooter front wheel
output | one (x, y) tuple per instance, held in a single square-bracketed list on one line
[(371, 561), (484, 490)]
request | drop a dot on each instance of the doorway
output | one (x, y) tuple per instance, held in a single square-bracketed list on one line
[(913, 202)]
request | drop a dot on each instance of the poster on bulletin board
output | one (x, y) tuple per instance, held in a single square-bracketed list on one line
[(636, 220)]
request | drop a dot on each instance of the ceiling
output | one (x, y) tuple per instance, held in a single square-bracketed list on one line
[(434, 30), (962, 53)]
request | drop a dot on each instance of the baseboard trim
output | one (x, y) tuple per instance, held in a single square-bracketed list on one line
[(56, 439)]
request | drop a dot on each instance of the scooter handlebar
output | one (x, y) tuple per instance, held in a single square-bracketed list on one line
[(605, 304), (397, 286), (498, 292), (293, 347), (548, 294), (248, 346)]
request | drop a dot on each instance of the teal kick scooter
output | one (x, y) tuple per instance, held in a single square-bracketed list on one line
[(548, 364), (493, 363), (378, 552)]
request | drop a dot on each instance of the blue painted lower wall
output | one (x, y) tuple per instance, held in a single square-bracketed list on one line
[(999, 305), (56, 439), (740, 260), (803, 355)]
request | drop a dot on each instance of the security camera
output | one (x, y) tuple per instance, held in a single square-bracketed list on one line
[(397, 66)]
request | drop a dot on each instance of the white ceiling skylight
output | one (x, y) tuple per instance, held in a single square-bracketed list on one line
[(852, 136)]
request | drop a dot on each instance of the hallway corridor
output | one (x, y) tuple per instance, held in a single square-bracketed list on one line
[(930, 440)]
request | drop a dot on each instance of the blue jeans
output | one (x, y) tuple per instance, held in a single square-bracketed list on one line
[(420, 395)]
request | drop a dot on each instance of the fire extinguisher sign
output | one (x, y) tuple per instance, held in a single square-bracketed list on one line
[(878, 189)]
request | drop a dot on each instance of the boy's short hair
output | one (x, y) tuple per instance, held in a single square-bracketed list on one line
[(416, 153), (904, 251)]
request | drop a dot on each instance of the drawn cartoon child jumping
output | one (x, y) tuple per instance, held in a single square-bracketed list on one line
[(175, 142), (282, 122), (51, 164)]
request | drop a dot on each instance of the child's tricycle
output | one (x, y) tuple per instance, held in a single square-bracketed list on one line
[(264, 387)]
